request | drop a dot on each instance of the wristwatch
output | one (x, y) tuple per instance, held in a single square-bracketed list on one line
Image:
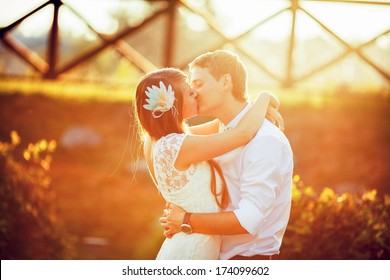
[(186, 226)]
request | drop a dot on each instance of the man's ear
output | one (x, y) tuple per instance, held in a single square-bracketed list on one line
[(227, 79)]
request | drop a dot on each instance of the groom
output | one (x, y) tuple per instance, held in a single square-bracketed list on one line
[(258, 175)]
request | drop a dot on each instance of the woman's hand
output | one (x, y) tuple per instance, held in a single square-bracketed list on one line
[(172, 219), (274, 101), (275, 117), (273, 114)]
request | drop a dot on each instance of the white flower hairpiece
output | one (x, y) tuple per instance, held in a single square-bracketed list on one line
[(160, 100)]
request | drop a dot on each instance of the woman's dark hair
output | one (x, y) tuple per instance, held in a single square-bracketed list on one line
[(172, 122)]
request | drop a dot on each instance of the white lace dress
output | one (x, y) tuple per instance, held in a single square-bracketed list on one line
[(190, 189)]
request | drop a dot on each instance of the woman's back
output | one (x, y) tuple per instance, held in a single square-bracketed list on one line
[(189, 189)]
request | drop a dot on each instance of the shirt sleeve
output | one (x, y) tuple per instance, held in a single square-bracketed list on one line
[(259, 181)]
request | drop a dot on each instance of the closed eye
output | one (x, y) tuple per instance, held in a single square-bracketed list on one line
[(197, 84), (194, 94)]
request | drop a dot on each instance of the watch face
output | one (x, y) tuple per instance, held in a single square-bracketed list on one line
[(186, 228)]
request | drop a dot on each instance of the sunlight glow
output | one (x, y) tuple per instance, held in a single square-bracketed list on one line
[(11, 10), (353, 22), (237, 16), (261, 27)]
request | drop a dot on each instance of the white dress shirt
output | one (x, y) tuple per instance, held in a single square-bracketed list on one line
[(259, 180)]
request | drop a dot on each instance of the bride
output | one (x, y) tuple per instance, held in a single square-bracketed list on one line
[(179, 157)]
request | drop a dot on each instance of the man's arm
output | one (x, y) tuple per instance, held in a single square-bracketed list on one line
[(259, 181), (207, 223)]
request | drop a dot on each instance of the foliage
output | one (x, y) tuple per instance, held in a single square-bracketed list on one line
[(331, 226), (29, 226)]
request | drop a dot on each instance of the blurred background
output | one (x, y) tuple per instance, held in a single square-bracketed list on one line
[(73, 181)]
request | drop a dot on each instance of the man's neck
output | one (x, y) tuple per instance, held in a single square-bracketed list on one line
[(230, 110)]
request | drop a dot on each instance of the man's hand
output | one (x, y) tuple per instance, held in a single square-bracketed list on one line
[(172, 219)]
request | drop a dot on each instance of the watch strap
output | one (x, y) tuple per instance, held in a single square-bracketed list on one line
[(187, 217)]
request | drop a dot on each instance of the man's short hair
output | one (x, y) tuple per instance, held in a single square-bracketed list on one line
[(221, 62)]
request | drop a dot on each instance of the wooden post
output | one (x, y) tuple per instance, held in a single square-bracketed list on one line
[(170, 40), (290, 57), (52, 48)]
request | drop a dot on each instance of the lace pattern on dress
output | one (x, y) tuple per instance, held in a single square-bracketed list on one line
[(166, 151)]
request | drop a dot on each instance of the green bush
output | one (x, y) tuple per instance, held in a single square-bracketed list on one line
[(330, 226), (29, 225)]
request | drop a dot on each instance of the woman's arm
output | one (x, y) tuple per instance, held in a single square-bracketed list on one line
[(210, 127), (197, 148)]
